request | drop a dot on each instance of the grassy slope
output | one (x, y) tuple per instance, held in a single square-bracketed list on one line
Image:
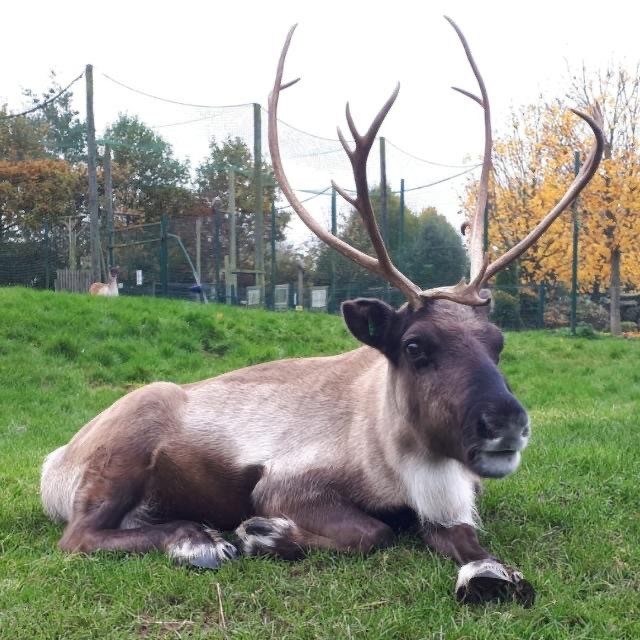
[(569, 518)]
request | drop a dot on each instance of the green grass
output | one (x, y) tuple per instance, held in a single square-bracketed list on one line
[(569, 518)]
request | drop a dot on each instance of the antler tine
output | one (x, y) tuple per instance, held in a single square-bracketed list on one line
[(385, 269), (476, 227), (589, 168), (362, 203)]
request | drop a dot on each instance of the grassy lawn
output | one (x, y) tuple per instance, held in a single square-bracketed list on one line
[(569, 518)]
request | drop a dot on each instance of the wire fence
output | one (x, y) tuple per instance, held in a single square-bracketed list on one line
[(176, 251)]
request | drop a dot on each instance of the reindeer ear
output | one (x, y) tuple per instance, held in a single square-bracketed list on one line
[(369, 320)]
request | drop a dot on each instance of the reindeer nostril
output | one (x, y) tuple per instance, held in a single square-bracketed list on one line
[(484, 430)]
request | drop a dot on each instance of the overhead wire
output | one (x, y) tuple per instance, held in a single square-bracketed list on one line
[(42, 105)]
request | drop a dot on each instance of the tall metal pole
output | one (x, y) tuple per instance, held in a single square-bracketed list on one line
[(273, 255), (401, 220), (574, 262), (164, 255), (334, 231), (257, 185), (383, 192), (233, 243), (383, 204), (215, 211), (108, 201), (94, 225), (199, 247)]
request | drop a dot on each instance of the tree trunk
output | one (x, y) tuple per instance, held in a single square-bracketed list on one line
[(614, 293)]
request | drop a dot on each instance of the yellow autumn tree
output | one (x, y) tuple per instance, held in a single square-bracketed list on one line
[(534, 165)]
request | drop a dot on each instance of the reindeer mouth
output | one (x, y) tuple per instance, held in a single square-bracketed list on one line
[(494, 464)]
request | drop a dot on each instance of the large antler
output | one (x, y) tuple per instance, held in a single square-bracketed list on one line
[(481, 271), (358, 157)]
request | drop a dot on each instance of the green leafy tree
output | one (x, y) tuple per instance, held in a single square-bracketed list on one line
[(212, 180), (146, 176), (429, 250), (436, 256), (21, 138), (65, 134)]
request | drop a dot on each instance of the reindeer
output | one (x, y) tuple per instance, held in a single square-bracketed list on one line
[(326, 452), (110, 289)]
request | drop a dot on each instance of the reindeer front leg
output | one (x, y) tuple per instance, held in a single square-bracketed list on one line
[(481, 578), (299, 514)]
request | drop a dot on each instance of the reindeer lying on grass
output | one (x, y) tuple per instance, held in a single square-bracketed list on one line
[(109, 289), (323, 453)]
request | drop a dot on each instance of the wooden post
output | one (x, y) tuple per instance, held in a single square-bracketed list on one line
[(108, 201), (94, 223), (71, 229)]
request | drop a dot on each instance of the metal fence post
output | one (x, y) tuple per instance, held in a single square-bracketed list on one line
[(332, 306), (542, 290), (215, 211), (574, 262), (273, 256), (164, 255)]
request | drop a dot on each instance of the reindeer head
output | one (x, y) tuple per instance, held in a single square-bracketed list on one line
[(442, 350)]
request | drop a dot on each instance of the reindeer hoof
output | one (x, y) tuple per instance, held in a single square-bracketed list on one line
[(269, 536), (489, 581), (207, 550)]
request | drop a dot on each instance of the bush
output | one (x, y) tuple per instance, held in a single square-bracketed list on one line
[(529, 308), (585, 330), (628, 327), (557, 313), (506, 310), (592, 313)]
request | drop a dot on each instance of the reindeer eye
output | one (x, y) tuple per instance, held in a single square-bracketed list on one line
[(413, 350)]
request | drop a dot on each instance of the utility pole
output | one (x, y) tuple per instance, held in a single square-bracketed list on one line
[(94, 224), (108, 199)]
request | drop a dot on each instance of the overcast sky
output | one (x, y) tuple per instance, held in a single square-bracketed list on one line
[(219, 53)]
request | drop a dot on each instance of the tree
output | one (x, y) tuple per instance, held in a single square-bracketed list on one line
[(436, 256), (212, 180), (533, 166), (21, 138), (423, 259), (32, 191), (614, 200), (65, 133), (146, 176)]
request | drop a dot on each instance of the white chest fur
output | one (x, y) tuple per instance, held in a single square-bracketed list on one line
[(441, 491)]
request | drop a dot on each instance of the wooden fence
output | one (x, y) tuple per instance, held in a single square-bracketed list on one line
[(76, 280)]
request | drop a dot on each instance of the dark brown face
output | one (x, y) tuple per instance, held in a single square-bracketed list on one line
[(445, 358)]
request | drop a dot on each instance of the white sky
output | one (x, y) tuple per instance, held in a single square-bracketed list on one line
[(219, 53)]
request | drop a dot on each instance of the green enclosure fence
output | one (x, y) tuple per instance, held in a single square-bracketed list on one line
[(183, 257)]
